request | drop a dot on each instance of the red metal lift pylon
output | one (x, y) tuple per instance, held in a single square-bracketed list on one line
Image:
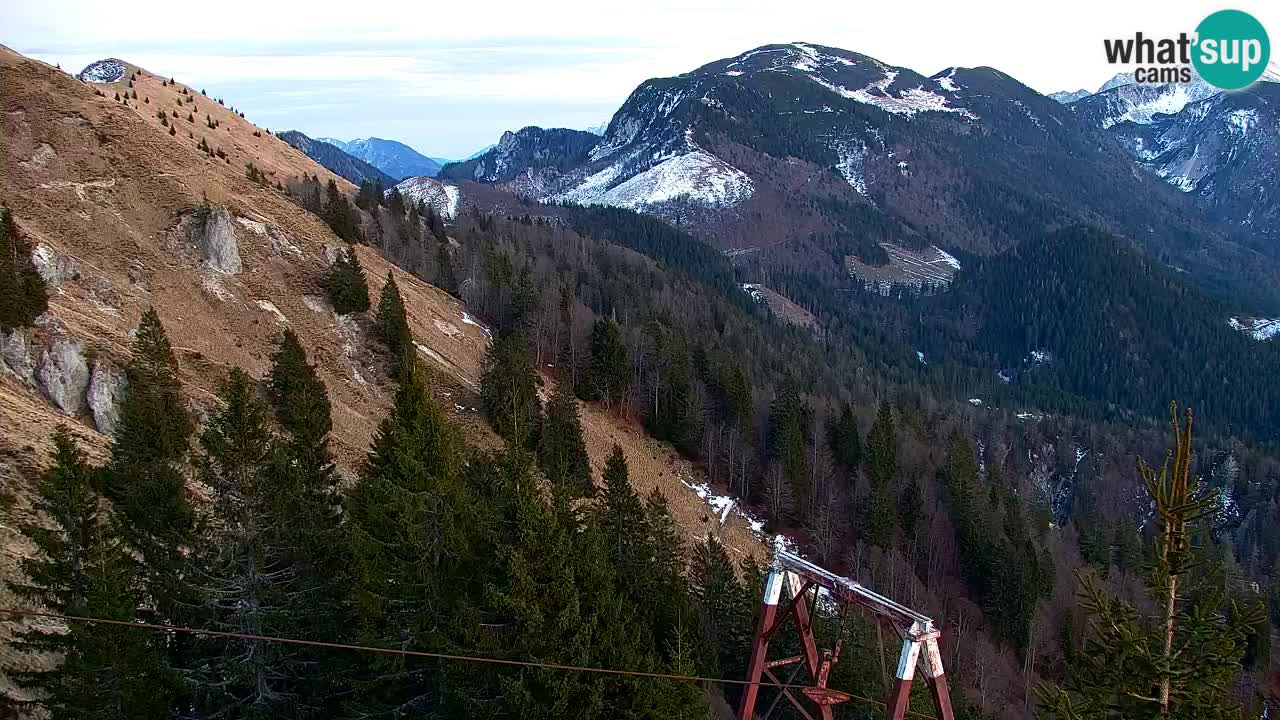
[(790, 581)]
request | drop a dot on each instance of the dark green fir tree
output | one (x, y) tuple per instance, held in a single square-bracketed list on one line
[(83, 568), (346, 284), (23, 296)]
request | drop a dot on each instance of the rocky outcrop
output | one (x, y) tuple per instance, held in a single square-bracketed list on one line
[(17, 353), (54, 267), (215, 236), (107, 386), (64, 375)]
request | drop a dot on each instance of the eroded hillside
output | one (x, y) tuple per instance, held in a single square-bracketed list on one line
[(124, 214)]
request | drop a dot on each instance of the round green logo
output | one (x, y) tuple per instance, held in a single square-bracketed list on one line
[(1231, 50)]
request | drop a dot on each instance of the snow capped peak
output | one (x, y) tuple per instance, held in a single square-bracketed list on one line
[(1117, 80), (1066, 97), (103, 71)]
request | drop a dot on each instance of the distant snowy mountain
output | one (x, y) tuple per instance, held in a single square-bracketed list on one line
[(1067, 97), (823, 152), (391, 157), (1221, 148), (336, 159)]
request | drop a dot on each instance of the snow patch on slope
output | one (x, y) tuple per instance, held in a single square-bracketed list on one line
[(444, 199), (103, 71), (698, 177), (1256, 328), (906, 102)]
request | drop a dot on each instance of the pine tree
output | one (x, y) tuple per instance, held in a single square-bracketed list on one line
[(790, 424), (509, 389), (346, 284), (144, 478), (23, 295), (81, 568), (562, 452), (412, 546), (1184, 664)]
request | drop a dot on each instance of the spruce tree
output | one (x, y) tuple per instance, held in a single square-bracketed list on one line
[(305, 491), (446, 276), (82, 568), (881, 516), (607, 373), (346, 284), (242, 571), (509, 390), (339, 214), (391, 324), (725, 609), (1182, 664), (144, 478), (562, 453), (23, 296), (411, 543), (844, 441)]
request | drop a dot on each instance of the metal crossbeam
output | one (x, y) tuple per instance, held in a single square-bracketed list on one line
[(791, 578)]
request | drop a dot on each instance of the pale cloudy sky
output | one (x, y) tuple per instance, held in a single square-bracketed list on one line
[(449, 77)]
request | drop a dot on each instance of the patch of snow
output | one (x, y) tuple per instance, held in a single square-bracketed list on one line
[(444, 199), (906, 102), (471, 321), (920, 357), (754, 291), (1024, 416), (1003, 377), (696, 176), (1040, 356), (1256, 328), (103, 71), (976, 402), (947, 82), (733, 73), (850, 158), (946, 257), (271, 308), (1242, 120)]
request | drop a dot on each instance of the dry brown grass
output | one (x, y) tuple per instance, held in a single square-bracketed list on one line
[(109, 194)]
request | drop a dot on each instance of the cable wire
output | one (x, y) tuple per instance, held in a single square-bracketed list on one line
[(422, 653)]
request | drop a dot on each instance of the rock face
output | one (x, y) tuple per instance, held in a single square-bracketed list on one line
[(18, 355), (216, 238), (54, 267), (107, 385), (64, 375)]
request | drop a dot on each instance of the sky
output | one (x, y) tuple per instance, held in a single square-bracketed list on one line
[(449, 77)]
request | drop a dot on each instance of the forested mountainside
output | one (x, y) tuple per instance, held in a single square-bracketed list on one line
[(336, 159), (825, 151), (510, 534)]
